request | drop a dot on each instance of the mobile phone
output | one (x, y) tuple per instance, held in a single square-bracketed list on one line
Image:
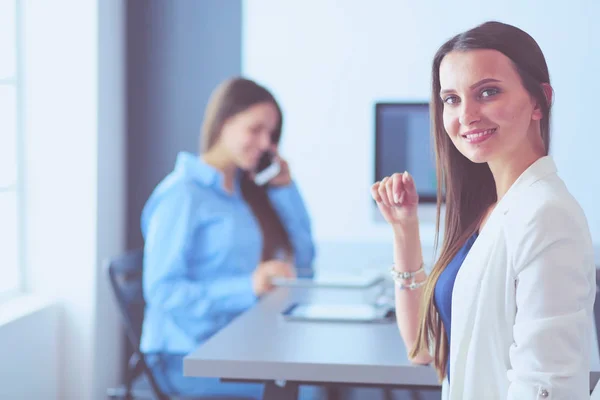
[(267, 169)]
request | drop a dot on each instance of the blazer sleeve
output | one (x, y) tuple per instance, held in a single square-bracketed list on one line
[(555, 290)]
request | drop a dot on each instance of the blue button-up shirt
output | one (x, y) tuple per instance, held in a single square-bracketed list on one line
[(202, 245)]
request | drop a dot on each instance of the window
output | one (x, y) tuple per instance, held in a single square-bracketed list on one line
[(10, 189)]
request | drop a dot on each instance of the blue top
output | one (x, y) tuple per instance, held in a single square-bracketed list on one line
[(202, 245), (443, 290)]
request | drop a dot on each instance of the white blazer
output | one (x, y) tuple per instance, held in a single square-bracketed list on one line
[(522, 303)]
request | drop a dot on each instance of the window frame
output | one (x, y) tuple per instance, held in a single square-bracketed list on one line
[(16, 81)]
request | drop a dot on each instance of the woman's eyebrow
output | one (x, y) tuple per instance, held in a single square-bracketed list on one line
[(473, 86)]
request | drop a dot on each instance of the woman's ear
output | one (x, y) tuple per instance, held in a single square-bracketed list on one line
[(538, 113)]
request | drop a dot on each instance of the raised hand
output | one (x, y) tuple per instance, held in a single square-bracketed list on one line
[(397, 198)]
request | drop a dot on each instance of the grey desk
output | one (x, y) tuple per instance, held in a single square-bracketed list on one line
[(596, 392), (260, 346)]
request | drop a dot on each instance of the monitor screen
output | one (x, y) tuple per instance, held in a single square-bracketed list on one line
[(403, 143)]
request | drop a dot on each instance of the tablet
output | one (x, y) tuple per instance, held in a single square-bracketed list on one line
[(338, 313), (334, 279)]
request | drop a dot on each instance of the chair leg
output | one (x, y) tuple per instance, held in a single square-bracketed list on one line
[(415, 395), (333, 393), (126, 392), (134, 369), (120, 394), (123, 394)]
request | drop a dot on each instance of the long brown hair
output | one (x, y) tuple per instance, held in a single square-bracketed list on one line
[(468, 188), (230, 98)]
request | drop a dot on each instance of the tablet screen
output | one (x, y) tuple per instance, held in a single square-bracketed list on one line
[(334, 279), (336, 312)]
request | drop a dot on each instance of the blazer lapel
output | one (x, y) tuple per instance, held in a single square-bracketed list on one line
[(465, 296)]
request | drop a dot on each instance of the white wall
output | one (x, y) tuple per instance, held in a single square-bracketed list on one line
[(61, 174), (29, 339), (73, 174), (328, 61)]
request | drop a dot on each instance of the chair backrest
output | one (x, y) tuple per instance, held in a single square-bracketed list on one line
[(125, 274)]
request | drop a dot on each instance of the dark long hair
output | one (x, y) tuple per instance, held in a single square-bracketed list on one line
[(230, 98), (468, 188)]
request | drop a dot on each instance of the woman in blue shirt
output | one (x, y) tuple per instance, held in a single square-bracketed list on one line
[(214, 239)]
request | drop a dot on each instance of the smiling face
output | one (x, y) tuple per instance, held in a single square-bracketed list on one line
[(248, 134), (487, 112)]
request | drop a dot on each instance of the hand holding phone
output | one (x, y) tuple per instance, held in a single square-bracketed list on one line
[(272, 169), (268, 168)]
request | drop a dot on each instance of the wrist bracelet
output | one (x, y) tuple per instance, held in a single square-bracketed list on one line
[(397, 275), (411, 286), (401, 277)]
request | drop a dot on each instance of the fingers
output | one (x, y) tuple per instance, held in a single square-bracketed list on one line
[(276, 157), (291, 272), (268, 286), (383, 192), (409, 187), (283, 165), (397, 188), (390, 191), (285, 168), (287, 269), (375, 192), (281, 269)]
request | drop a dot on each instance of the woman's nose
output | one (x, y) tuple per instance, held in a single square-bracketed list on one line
[(469, 113)]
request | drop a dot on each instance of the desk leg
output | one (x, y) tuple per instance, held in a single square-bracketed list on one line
[(273, 391)]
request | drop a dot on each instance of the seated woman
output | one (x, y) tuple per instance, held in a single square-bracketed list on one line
[(214, 239)]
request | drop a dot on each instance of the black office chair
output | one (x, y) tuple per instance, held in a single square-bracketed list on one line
[(125, 274)]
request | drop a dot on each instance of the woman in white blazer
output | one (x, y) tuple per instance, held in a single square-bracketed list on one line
[(506, 312)]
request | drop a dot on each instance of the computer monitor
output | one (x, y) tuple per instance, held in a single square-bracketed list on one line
[(403, 143)]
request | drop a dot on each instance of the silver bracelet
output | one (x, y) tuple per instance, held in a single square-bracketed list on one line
[(400, 278), (411, 286), (397, 275)]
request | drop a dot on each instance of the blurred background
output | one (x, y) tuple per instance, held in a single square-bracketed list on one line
[(98, 96)]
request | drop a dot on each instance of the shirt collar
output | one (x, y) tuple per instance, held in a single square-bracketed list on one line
[(194, 167)]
